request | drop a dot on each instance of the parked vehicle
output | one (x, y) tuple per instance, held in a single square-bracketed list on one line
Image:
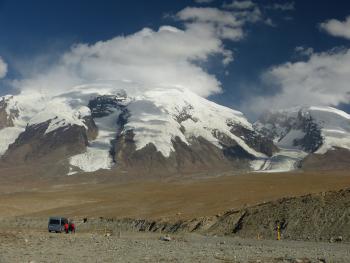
[(56, 224)]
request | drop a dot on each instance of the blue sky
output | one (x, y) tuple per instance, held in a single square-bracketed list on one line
[(36, 34)]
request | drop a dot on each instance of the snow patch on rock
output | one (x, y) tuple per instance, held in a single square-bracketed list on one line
[(8, 136)]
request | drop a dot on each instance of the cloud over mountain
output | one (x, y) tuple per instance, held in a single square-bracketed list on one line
[(167, 57)]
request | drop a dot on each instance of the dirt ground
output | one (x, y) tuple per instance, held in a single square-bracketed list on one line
[(39, 246), (182, 197)]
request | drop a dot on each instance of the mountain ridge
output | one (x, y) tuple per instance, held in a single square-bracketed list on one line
[(161, 130)]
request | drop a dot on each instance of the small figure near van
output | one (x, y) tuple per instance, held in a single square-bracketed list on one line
[(66, 227), (71, 227)]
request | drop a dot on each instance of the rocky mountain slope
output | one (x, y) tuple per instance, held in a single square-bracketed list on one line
[(99, 126)]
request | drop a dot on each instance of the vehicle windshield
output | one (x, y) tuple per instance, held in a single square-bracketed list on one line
[(54, 222)]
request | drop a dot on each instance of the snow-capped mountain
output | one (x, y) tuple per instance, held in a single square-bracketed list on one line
[(163, 130), (105, 126), (307, 131), (312, 129)]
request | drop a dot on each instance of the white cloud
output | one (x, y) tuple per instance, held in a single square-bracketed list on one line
[(167, 57), (323, 79), (226, 24), (203, 1), (288, 6), (303, 51), (209, 14), (337, 28), (239, 4), (3, 68)]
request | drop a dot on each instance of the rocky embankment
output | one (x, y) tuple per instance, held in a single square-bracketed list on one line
[(321, 217)]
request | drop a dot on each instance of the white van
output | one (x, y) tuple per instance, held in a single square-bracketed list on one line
[(56, 224)]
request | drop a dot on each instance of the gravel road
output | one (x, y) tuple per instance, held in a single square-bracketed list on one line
[(39, 246)]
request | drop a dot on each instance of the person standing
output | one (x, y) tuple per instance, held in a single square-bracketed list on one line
[(71, 227), (66, 227)]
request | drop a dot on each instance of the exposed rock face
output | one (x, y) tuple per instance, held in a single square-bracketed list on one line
[(34, 145)]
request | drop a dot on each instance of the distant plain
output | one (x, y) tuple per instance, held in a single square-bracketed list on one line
[(24, 193)]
